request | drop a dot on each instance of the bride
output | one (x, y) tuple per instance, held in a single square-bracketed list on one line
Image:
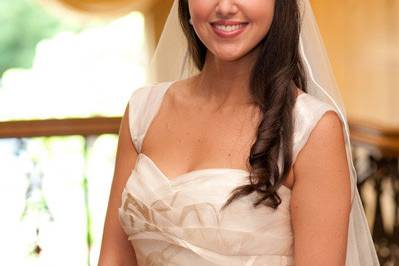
[(238, 152)]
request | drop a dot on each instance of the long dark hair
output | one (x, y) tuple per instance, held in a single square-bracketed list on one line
[(277, 72)]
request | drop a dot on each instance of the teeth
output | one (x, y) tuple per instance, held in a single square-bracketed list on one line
[(229, 27)]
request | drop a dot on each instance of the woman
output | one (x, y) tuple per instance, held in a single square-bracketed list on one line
[(236, 164)]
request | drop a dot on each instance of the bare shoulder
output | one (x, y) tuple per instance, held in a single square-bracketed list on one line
[(330, 128), (320, 200), (324, 150)]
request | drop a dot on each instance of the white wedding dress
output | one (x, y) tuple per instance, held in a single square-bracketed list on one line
[(179, 222)]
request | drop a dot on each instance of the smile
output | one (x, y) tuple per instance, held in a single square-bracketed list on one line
[(228, 30)]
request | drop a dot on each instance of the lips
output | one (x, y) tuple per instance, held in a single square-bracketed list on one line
[(228, 29)]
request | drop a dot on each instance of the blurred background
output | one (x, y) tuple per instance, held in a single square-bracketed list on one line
[(67, 70)]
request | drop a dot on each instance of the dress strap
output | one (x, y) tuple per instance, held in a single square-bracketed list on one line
[(144, 103), (308, 111)]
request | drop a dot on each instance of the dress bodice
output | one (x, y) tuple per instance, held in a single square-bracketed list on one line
[(180, 221)]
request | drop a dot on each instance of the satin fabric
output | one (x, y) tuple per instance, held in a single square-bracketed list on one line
[(179, 221)]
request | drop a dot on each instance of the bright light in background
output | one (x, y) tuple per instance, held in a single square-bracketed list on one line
[(89, 73), (79, 74), (60, 165)]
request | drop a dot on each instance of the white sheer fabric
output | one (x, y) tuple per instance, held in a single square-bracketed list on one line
[(179, 222), (171, 62)]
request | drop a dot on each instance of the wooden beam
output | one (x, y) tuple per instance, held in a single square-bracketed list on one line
[(60, 127), (383, 138)]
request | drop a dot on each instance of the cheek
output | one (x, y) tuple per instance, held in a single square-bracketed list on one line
[(262, 16), (200, 10)]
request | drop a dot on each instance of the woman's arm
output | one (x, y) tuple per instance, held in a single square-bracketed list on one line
[(320, 202), (116, 250)]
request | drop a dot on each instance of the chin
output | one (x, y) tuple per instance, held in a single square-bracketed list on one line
[(228, 57), (232, 53)]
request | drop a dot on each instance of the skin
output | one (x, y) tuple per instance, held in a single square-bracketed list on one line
[(200, 123), (115, 248)]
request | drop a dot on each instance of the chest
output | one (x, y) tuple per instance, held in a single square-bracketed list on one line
[(188, 140)]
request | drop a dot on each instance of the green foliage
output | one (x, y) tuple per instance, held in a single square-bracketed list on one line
[(23, 23)]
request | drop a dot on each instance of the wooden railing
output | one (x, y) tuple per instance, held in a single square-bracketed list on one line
[(383, 138), (60, 127), (382, 144), (89, 128)]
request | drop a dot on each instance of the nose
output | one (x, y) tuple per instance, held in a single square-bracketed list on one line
[(226, 8)]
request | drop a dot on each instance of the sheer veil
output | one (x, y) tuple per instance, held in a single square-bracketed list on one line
[(171, 62)]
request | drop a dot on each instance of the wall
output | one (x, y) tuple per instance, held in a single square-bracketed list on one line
[(362, 39)]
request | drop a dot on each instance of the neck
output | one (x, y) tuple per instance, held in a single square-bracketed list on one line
[(226, 82)]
